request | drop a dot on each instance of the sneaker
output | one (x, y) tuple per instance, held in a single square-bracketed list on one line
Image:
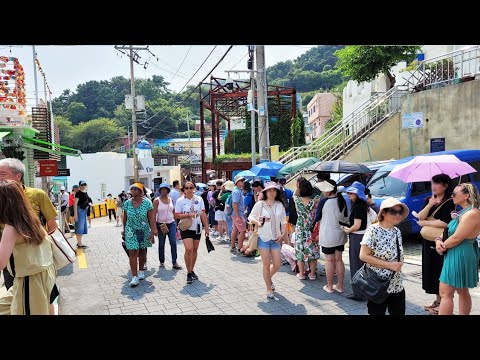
[(189, 278), (194, 276), (134, 281), (141, 275), (145, 267), (270, 296), (215, 234), (162, 265), (89, 226), (233, 250)]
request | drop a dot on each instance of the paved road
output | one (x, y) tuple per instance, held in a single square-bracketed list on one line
[(228, 284)]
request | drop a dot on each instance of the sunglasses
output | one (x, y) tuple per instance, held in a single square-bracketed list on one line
[(394, 211), (189, 188), (83, 184)]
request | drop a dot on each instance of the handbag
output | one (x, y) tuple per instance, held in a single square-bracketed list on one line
[(185, 223), (164, 228), (209, 244), (430, 233), (370, 285), (253, 239), (63, 251)]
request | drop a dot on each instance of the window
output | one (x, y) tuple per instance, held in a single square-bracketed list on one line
[(383, 185), (476, 165), (313, 108), (112, 146), (419, 188), (103, 191), (164, 161)]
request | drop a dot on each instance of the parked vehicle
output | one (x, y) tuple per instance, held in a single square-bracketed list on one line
[(413, 194)]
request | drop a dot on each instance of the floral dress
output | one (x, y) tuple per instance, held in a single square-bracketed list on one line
[(305, 249), (137, 220)]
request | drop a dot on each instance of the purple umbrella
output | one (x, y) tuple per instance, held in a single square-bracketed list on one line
[(423, 168)]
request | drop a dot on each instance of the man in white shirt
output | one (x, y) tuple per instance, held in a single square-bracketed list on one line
[(175, 194)]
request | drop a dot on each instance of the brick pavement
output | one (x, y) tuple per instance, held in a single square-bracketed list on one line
[(228, 284)]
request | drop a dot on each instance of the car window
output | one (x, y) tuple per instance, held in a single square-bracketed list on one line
[(383, 185), (476, 165), (419, 188)]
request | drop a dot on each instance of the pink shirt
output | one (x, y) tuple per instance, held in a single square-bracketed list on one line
[(165, 212)]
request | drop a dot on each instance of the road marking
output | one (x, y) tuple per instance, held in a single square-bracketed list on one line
[(81, 258)]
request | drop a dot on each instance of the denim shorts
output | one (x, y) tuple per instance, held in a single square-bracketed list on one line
[(268, 245)]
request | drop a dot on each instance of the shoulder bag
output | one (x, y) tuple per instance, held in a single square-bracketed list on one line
[(253, 238), (185, 223), (430, 233), (369, 284), (63, 250)]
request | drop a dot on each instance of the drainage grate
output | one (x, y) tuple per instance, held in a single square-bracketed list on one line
[(415, 274)]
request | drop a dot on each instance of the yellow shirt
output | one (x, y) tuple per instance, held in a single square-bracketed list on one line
[(111, 204)]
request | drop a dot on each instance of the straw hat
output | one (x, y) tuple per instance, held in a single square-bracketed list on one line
[(392, 202), (324, 186), (270, 185), (229, 185)]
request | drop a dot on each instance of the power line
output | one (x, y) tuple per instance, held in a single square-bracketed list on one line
[(188, 51), (193, 90)]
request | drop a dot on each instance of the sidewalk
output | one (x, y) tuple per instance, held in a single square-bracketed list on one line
[(228, 284)]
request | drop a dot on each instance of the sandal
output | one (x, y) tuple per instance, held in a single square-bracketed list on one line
[(435, 304), (337, 290), (312, 278), (434, 311), (301, 277), (325, 287)]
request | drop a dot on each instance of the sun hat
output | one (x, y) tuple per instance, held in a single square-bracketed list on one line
[(62, 188), (391, 202), (229, 185), (138, 185), (212, 183), (324, 186), (164, 186), (357, 188), (238, 178), (270, 185)]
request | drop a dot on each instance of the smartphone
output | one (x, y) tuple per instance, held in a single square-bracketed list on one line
[(199, 231), (344, 224), (263, 220)]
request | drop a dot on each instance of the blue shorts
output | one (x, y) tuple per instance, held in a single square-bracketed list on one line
[(268, 245)]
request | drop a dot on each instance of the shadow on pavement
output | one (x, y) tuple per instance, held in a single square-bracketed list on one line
[(197, 289), (137, 292), (282, 306), (67, 270), (166, 274)]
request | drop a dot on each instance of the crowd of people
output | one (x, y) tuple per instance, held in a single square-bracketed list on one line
[(254, 218)]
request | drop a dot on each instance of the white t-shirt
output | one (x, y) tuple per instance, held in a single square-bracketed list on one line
[(275, 216), (184, 206), (64, 199)]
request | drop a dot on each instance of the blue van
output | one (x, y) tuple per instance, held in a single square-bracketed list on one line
[(413, 194)]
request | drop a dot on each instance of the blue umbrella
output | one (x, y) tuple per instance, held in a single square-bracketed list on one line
[(248, 174), (269, 168)]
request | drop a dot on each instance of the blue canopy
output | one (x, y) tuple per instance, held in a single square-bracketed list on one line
[(248, 174)]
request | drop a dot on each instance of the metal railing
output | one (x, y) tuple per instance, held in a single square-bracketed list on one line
[(341, 138), (445, 69), (295, 152)]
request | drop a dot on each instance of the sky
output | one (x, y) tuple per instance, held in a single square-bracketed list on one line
[(67, 66)]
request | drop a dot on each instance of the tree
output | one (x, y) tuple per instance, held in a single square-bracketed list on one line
[(92, 136), (77, 112), (363, 63), (65, 127), (298, 131), (336, 113)]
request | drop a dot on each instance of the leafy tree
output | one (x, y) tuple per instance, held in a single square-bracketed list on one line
[(92, 136), (364, 63), (77, 112), (336, 113), (65, 127)]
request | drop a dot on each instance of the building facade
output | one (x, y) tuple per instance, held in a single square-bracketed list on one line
[(319, 112)]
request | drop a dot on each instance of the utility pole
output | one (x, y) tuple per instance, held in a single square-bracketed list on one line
[(133, 58), (35, 74), (252, 112), (263, 131), (188, 130), (134, 118)]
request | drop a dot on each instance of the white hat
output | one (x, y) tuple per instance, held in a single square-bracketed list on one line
[(324, 186), (270, 185), (391, 202), (62, 188), (229, 185), (238, 178)]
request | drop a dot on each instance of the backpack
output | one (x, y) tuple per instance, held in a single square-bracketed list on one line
[(229, 205)]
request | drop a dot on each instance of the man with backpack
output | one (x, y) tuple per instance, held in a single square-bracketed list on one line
[(238, 218)]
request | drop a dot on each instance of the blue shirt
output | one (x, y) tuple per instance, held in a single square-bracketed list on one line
[(237, 197), (175, 195), (248, 202), (289, 196)]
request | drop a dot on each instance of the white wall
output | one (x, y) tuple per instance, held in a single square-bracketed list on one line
[(168, 173), (96, 169)]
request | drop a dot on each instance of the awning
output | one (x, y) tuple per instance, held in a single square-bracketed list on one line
[(3, 134), (51, 148)]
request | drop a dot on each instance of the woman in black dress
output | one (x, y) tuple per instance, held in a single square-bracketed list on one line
[(439, 206)]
